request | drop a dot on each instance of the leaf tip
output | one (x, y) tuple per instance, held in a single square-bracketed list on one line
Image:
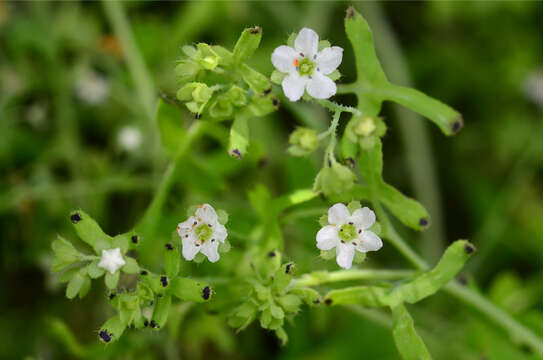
[(469, 248), (328, 301), (255, 30), (457, 125), (235, 153), (75, 217), (350, 13)]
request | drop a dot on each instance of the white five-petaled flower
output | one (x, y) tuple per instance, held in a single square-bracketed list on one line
[(307, 67), (111, 260), (202, 233), (348, 233)]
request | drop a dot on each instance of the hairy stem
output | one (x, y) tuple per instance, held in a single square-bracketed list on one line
[(322, 277)]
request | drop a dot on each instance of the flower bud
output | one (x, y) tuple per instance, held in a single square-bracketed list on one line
[(206, 57), (221, 108), (237, 96), (186, 70), (196, 95), (334, 179), (303, 141)]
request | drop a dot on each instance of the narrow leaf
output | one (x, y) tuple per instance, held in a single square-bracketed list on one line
[(239, 136), (190, 290), (162, 310), (89, 231), (247, 44), (409, 344)]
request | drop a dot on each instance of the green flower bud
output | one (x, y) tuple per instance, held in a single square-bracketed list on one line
[(364, 125), (206, 57), (303, 141), (221, 108), (186, 70), (237, 96), (196, 96), (333, 180)]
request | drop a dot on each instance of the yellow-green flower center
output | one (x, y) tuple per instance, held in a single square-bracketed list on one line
[(203, 232), (347, 232), (306, 67)]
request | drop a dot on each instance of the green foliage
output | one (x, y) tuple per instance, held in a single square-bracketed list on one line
[(408, 342)]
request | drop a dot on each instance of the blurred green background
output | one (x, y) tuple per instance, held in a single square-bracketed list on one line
[(77, 131)]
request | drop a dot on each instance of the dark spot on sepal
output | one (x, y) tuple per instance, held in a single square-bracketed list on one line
[(272, 254), (267, 91), (143, 273), (288, 268), (350, 12), (134, 239), (111, 296), (349, 162), (206, 293), (164, 280), (328, 302), (255, 30), (75, 217), (423, 222), (316, 301), (235, 153), (469, 248), (463, 280), (105, 336), (457, 125), (197, 116), (153, 324), (275, 102), (169, 246), (146, 323), (525, 348)]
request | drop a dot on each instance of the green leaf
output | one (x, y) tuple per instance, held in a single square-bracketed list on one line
[(309, 296), (411, 292), (282, 336), (111, 280), (112, 330), (94, 270), (372, 86), (171, 260), (190, 290), (68, 274), (90, 232), (162, 310), (290, 302), (122, 242), (222, 217), (131, 266), (85, 287), (75, 284), (247, 44), (407, 210), (170, 124), (239, 136), (409, 344), (277, 312)]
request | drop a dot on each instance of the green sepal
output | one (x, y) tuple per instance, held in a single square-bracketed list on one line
[(171, 260), (334, 179), (303, 141), (190, 290), (323, 44), (225, 246), (290, 302), (90, 232), (328, 254), (221, 108), (111, 280), (239, 136), (243, 315), (85, 287), (257, 82), (131, 266), (247, 44), (222, 217), (283, 277), (226, 57), (206, 57), (113, 328), (263, 105), (162, 310), (94, 270), (277, 77), (237, 96), (359, 257), (353, 206), (76, 283), (68, 274), (310, 296), (281, 335), (65, 251), (187, 70), (121, 241)]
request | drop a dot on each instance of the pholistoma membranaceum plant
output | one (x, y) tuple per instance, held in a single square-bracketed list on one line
[(218, 87)]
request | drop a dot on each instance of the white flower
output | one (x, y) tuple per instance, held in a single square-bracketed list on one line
[(307, 67), (129, 138), (348, 233), (111, 260), (92, 88), (202, 233)]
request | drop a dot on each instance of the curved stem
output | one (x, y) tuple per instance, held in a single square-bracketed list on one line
[(324, 277)]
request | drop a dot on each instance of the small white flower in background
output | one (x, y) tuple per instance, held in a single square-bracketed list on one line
[(348, 233), (307, 67), (129, 138), (202, 233), (111, 260), (92, 88), (533, 87)]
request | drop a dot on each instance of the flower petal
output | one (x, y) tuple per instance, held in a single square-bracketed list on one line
[(219, 232), (211, 250), (283, 59), (189, 248), (321, 86), (327, 237), (363, 218), (186, 225), (307, 42), (370, 242), (293, 86), (206, 213), (338, 214), (329, 59), (344, 255)]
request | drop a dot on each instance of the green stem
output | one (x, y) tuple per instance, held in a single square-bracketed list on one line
[(335, 107), (148, 223), (323, 277), (136, 65)]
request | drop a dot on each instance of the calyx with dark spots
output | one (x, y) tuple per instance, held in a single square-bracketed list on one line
[(105, 336), (75, 218)]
